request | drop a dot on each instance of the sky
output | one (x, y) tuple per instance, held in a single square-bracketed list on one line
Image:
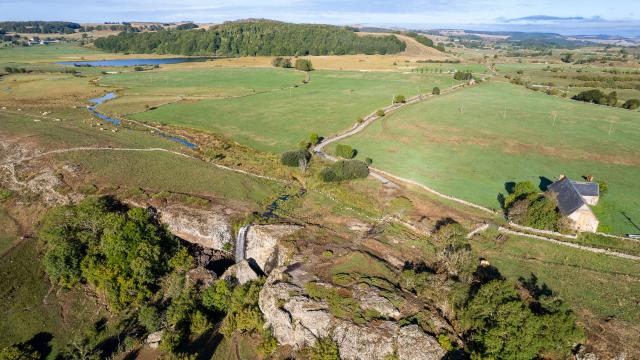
[(621, 17)]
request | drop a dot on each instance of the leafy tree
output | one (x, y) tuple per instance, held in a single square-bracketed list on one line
[(303, 65), (216, 296), (521, 190), (380, 113), (566, 58), (368, 161), (500, 325), (243, 313), (199, 324), (345, 151), (612, 99), (463, 75), (435, 91), (149, 317), (454, 251), (631, 104)]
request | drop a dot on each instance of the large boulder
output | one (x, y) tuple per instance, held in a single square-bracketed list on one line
[(414, 344), (153, 340), (240, 273), (207, 228), (261, 245), (370, 298)]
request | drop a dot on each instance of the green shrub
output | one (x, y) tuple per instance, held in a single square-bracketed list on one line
[(380, 113), (216, 296), (5, 194), (282, 62), (303, 65), (631, 104), (304, 145), (199, 324), (149, 318), (592, 96), (463, 75), (345, 151), (345, 170), (445, 342), (292, 158), (243, 313), (324, 349), (314, 138), (399, 99), (368, 161), (521, 190), (435, 91), (603, 187)]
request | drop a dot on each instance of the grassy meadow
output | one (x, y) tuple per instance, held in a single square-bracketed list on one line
[(278, 120), (467, 145)]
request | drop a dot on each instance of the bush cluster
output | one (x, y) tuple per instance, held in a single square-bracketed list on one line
[(345, 151), (303, 65), (293, 158), (463, 75), (282, 62), (344, 170)]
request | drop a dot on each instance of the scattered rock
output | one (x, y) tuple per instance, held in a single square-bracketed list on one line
[(414, 344), (153, 340)]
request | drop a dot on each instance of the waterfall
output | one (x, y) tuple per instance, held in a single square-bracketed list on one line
[(240, 243)]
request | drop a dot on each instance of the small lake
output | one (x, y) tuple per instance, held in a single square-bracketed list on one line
[(134, 62), (117, 122)]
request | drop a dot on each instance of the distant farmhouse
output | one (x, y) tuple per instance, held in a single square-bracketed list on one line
[(574, 199)]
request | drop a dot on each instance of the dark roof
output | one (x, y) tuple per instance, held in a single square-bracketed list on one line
[(569, 199), (587, 188)]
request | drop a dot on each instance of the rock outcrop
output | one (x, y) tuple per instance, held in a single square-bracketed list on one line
[(414, 344), (207, 228), (297, 320), (153, 340), (261, 245)]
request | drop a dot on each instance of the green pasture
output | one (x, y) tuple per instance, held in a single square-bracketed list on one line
[(8, 230), (470, 143), (604, 285), (158, 171), (278, 120), (141, 90), (32, 309)]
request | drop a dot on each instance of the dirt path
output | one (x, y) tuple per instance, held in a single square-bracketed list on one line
[(386, 178)]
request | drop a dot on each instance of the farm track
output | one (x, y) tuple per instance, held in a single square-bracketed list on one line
[(384, 177)]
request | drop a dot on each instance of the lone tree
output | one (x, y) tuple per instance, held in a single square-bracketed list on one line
[(345, 151), (303, 65), (631, 104), (435, 91)]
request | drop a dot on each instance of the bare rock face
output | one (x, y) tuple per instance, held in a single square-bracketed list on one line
[(207, 228), (261, 245), (298, 321), (370, 342), (240, 273), (414, 344), (370, 298), (294, 319)]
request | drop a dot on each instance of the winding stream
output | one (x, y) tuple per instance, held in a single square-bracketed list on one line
[(117, 122)]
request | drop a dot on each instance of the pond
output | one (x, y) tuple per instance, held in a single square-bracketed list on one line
[(134, 62), (117, 122)]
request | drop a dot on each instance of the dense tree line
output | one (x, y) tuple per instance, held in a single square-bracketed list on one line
[(40, 27), (266, 38)]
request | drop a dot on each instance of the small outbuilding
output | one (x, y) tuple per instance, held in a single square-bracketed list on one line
[(574, 199)]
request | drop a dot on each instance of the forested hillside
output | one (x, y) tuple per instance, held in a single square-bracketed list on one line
[(39, 27), (253, 38)]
